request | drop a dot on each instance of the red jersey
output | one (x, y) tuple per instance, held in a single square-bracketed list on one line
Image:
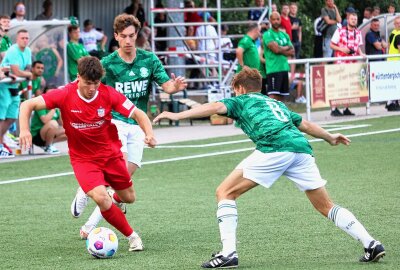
[(287, 25), (352, 39), (87, 123)]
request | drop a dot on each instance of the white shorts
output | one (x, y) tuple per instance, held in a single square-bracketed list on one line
[(265, 168), (132, 139)]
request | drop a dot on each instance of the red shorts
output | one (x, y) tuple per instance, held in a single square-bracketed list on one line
[(102, 172)]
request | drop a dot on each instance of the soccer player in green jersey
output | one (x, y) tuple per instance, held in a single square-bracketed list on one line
[(130, 71), (281, 149), (75, 51)]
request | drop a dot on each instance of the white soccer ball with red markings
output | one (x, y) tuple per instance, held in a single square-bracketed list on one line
[(102, 243)]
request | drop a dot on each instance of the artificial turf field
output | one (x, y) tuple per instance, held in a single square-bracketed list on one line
[(175, 208)]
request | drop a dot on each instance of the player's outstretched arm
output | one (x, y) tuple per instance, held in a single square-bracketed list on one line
[(145, 124), (197, 112), (25, 111), (318, 132), (174, 85)]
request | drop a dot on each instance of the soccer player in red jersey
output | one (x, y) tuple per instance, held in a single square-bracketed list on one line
[(94, 146)]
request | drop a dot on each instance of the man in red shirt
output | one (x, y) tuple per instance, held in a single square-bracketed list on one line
[(94, 146), (285, 20)]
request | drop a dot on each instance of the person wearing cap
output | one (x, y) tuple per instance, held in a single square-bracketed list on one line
[(349, 10)]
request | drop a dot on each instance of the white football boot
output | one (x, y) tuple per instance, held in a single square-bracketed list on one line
[(79, 203), (135, 243)]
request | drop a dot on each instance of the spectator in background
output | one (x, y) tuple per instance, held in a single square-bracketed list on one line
[(19, 13), (331, 15), (226, 44), (349, 10), (75, 51), (142, 41), (90, 36), (136, 9), (367, 14), (195, 17), (247, 52), (347, 41), (285, 20), (296, 29), (38, 82), (394, 48), (391, 9), (255, 14), (191, 43), (277, 49), (374, 44), (5, 42), (376, 11), (46, 129), (208, 44), (274, 7), (19, 58), (47, 13)]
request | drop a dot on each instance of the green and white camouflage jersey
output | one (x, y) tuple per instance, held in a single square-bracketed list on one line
[(268, 123), (134, 80)]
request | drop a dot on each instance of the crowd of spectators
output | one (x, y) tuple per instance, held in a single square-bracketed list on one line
[(267, 46)]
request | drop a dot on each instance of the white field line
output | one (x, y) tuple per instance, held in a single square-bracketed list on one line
[(247, 140), (188, 157)]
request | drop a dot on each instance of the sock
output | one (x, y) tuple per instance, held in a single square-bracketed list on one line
[(133, 235), (346, 221), (116, 198), (227, 222), (115, 217), (94, 218)]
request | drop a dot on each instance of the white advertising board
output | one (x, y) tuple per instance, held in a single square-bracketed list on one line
[(384, 79)]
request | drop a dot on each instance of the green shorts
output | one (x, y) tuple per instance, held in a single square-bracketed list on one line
[(9, 105)]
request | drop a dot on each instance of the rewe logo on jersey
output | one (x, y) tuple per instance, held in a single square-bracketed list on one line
[(133, 89)]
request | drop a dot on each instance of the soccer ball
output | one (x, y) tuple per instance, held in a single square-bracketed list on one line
[(102, 243)]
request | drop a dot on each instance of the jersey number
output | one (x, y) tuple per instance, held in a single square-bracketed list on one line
[(277, 111)]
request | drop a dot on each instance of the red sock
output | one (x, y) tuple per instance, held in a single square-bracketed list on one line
[(116, 198), (115, 217)]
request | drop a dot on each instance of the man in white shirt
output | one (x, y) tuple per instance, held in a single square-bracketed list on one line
[(90, 36)]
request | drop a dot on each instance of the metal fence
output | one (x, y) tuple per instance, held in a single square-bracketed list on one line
[(178, 48), (307, 65)]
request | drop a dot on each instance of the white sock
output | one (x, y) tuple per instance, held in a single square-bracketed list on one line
[(133, 235), (346, 221), (227, 221), (94, 218)]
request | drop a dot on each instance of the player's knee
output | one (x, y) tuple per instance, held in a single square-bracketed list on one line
[(102, 200), (128, 197), (224, 194)]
